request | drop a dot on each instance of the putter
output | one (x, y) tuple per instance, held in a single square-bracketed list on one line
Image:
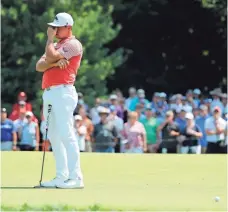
[(42, 168)]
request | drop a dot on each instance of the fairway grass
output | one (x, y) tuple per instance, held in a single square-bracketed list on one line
[(118, 182)]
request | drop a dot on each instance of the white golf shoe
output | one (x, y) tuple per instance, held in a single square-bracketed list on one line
[(53, 183), (71, 184)]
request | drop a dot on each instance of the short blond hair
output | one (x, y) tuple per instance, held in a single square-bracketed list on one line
[(133, 114)]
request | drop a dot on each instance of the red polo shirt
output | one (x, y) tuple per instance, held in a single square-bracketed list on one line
[(71, 49)]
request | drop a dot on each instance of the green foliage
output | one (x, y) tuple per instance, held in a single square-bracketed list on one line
[(24, 36)]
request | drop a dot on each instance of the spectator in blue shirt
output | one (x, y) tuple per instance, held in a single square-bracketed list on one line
[(30, 135), (200, 121), (8, 133), (132, 97), (196, 99), (139, 100), (180, 119)]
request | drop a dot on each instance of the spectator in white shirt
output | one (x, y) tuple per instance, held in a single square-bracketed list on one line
[(80, 131), (215, 127)]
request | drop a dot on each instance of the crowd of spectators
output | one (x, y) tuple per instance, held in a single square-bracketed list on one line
[(190, 123)]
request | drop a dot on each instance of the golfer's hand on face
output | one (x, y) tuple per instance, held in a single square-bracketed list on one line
[(51, 33)]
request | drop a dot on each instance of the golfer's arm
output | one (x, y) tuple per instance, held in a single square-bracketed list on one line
[(42, 65), (52, 55)]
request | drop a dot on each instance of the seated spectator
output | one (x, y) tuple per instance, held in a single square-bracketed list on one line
[(132, 96), (29, 134), (81, 132), (135, 135), (200, 121), (8, 133), (89, 128), (167, 134), (192, 134), (216, 93), (94, 112), (140, 99), (151, 124), (22, 97), (105, 133), (215, 128)]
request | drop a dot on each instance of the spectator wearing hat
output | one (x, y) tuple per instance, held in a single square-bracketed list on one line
[(167, 134), (200, 121), (105, 133), (94, 112), (80, 131), (114, 101), (151, 124), (191, 134), (89, 128), (8, 133), (196, 95), (216, 93), (139, 99), (132, 97), (118, 123), (134, 134), (215, 128), (190, 98), (22, 97), (29, 134), (16, 113)]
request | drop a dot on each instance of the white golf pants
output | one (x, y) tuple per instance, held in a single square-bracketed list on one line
[(63, 99)]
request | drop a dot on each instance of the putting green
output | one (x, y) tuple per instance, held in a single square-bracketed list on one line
[(120, 182)]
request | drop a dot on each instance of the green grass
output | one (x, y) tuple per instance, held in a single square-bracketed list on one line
[(119, 182)]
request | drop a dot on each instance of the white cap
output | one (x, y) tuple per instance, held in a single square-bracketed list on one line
[(78, 117), (29, 113), (62, 19), (103, 110), (189, 116), (113, 96)]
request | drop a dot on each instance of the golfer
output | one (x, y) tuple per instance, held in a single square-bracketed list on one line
[(59, 65)]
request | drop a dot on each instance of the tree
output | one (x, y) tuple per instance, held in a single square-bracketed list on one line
[(24, 36), (175, 45)]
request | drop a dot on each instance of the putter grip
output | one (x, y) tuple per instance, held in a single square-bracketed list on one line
[(49, 108)]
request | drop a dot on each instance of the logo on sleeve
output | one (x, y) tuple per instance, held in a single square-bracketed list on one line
[(64, 49)]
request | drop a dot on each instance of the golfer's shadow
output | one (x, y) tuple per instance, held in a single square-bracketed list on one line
[(22, 187), (16, 187)]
